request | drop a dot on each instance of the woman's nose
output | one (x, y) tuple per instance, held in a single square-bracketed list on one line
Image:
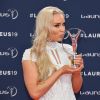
[(62, 28)]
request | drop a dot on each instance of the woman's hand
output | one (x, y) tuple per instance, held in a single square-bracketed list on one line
[(68, 69), (78, 61)]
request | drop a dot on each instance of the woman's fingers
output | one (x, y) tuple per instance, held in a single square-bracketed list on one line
[(78, 60), (79, 68)]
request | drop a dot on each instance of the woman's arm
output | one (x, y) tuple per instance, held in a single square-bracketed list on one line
[(77, 79), (35, 88)]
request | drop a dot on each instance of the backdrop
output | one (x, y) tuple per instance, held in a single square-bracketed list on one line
[(17, 19)]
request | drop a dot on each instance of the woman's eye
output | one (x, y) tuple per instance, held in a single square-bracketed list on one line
[(63, 24), (56, 25)]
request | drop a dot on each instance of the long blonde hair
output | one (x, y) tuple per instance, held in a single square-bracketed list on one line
[(43, 26)]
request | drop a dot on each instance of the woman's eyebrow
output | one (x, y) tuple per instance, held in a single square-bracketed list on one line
[(59, 23)]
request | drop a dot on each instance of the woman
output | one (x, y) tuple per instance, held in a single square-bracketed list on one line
[(47, 69)]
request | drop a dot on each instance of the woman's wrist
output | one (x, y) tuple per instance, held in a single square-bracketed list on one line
[(77, 74), (60, 71)]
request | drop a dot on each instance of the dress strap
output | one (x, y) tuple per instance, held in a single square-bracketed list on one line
[(56, 56)]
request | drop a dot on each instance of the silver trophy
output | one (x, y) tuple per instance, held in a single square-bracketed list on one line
[(74, 34)]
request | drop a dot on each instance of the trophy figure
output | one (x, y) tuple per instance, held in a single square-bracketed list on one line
[(73, 33)]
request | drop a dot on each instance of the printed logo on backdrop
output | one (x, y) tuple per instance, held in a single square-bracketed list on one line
[(10, 13), (90, 16), (90, 54), (33, 15), (90, 73), (9, 90), (90, 35), (8, 34), (32, 35), (8, 72), (11, 52), (90, 93)]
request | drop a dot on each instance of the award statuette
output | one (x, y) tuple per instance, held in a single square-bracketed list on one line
[(73, 33)]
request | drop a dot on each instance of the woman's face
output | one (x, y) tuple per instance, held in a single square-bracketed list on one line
[(58, 28)]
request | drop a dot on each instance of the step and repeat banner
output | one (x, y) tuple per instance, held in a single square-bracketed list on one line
[(17, 23)]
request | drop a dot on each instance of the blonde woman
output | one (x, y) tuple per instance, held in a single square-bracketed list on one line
[(47, 69)]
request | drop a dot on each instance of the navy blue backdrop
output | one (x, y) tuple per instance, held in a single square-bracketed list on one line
[(17, 19)]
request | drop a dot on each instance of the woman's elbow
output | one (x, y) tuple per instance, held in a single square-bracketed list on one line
[(34, 95), (76, 91), (77, 87)]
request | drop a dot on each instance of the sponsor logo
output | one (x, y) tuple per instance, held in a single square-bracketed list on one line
[(8, 73), (33, 15), (11, 13), (91, 73), (32, 35), (90, 16), (90, 35), (10, 90), (89, 54), (8, 34), (67, 15), (91, 93), (13, 52)]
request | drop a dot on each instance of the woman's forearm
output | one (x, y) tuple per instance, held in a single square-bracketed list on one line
[(44, 86), (77, 81)]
